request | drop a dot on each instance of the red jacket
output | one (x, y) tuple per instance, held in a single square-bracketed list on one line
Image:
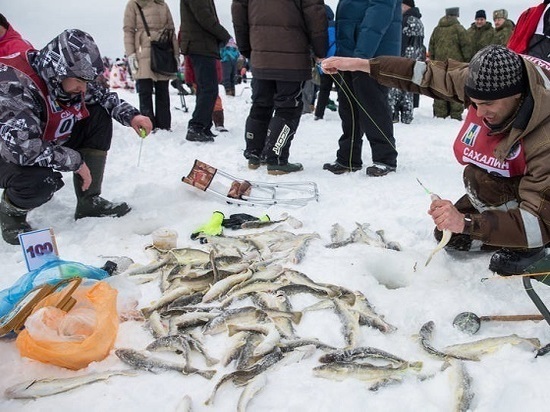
[(527, 24), (12, 42)]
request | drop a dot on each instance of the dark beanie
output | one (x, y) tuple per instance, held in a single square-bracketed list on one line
[(452, 11), (409, 3), (480, 14), (4, 22), (495, 72)]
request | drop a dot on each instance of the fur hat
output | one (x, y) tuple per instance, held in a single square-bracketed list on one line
[(409, 3), (452, 11), (480, 14), (495, 72), (500, 14)]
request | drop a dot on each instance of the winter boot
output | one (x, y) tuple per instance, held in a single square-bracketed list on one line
[(13, 221), (218, 119), (508, 262), (89, 203)]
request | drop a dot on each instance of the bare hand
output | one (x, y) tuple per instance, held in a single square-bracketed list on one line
[(85, 175), (331, 65), (141, 121), (446, 216)]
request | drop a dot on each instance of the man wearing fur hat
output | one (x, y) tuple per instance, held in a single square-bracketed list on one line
[(503, 26), (481, 32), (56, 116), (504, 145)]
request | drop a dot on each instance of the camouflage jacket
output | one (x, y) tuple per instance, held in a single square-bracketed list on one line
[(503, 33), (23, 111), (449, 40), (531, 125), (481, 36)]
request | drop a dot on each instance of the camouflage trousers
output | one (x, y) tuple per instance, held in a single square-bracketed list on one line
[(401, 104), (443, 108)]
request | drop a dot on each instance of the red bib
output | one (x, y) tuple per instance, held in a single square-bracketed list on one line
[(60, 119), (474, 145)]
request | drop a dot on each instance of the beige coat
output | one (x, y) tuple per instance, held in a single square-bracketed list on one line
[(158, 17)]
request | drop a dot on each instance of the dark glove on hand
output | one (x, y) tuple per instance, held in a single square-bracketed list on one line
[(235, 221)]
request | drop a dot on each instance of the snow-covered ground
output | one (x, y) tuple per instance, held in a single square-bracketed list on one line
[(397, 283)]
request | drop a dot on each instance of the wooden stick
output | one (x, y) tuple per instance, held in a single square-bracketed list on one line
[(511, 318)]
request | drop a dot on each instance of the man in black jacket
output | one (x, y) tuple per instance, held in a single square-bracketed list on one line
[(201, 36), (277, 37)]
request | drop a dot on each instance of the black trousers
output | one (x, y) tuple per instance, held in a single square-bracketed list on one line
[(160, 115), (28, 187), (274, 104), (371, 116), (324, 93), (206, 78)]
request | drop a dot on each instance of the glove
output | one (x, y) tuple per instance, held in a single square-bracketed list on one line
[(133, 63), (211, 228), (235, 221)]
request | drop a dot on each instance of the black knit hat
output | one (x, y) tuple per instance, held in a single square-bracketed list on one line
[(409, 3), (480, 14), (4, 22), (495, 72)]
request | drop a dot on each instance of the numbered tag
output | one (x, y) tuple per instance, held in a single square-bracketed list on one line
[(38, 247)]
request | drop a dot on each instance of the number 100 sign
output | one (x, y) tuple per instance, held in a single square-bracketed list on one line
[(38, 247)]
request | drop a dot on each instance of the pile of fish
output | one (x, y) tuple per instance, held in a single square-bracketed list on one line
[(242, 287)]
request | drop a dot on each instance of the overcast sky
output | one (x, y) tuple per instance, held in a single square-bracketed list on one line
[(40, 21)]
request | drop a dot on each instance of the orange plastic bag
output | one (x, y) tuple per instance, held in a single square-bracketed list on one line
[(95, 347)]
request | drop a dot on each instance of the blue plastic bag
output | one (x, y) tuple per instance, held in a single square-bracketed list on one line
[(51, 273)]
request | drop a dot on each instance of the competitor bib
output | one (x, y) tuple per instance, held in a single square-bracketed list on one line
[(474, 145)]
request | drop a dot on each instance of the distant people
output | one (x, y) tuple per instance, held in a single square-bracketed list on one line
[(59, 132), (326, 82), (229, 57), (532, 33), (10, 40), (365, 29), (118, 76), (137, 45), (481, 32), (412, 46), (503, 26), (449, 40), (279, 43), (201, 35)]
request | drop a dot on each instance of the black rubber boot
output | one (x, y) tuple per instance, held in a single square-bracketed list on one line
[(513, 262), (13, 221), (89, 203)]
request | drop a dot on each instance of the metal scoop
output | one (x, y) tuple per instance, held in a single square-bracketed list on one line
[(470, 323)]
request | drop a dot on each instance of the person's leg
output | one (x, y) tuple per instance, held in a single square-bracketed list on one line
[(145, 92), (258, 120), (163, 117), (407, 107), (92, 138), (207, 91), (376, 120), (288, 104), (25, 187), (350, 144), (455, 110), (322, 97), (440, 108)]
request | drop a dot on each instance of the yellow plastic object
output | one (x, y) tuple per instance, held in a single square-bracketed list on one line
[(77, 355)]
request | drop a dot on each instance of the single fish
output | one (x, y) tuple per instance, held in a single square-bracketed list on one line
[(143, 360), (350, 323), (38, 388), (185, 405), (365, 372), (462, 384), (368, 316), (136, 269), (248, 315), (363, 352), (474, 350), (250, 390), (426, 335), (223, 286)]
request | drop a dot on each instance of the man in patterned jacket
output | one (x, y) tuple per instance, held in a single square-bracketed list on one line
[(56, 117)]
